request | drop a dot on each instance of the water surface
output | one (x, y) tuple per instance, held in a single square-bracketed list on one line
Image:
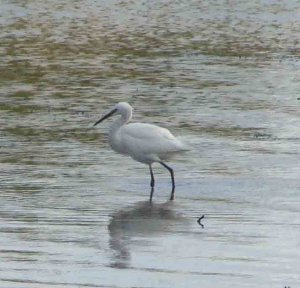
[(223, 75)]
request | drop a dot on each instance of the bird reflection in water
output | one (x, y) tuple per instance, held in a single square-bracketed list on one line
[(135, 226)]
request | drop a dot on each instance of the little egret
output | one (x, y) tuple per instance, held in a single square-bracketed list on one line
[(145, 143)]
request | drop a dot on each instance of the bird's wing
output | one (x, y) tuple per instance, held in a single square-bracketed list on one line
[(147, 131), (148, 139)]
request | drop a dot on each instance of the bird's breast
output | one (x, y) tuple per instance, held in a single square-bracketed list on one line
[(116, 143)]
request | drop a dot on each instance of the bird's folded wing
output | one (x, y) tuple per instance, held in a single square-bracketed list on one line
[(148, 138)]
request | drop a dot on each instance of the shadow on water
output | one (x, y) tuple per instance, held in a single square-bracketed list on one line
[(136, 225)]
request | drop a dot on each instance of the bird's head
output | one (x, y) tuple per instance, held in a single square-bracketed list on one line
[(122, 108)]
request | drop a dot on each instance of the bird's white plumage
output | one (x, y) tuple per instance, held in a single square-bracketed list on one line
[(145, 143), (148, 143)]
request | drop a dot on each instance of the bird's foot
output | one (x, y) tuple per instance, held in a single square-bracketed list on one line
[(172, 194), (151, 194)]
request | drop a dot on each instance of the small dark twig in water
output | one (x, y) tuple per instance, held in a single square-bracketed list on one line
[(199, 221)]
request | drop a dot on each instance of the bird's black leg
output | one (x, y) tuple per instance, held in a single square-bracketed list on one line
[(152, 182), (152, 176), (173, 179), (151, 194)]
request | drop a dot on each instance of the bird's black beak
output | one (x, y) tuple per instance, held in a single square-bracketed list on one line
[(106, 116)]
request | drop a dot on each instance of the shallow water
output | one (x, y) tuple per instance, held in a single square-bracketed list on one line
[(223, 75)]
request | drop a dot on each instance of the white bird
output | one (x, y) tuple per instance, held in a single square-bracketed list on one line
[(145, 143)]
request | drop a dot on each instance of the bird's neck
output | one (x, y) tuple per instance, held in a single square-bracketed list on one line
[(118, 123)]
